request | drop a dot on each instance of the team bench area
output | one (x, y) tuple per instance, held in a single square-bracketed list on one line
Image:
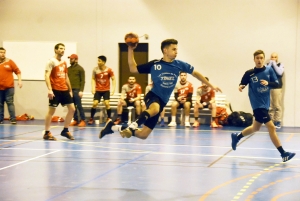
[(205, 114)]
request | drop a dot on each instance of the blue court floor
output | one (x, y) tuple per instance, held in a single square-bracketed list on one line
[(173, 164)]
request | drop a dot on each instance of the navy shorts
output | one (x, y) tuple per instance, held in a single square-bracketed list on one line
[(99, 94), (262, 115), (149, 99), (182, 106), (60, 97), (129, 103)]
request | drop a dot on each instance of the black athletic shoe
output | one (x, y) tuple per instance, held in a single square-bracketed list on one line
[(13, 121), (67, 135), (107, 129), (287, 156), (1, 121), (234, 140)]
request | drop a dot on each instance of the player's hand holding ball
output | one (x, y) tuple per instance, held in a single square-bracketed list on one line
[(132, 40)]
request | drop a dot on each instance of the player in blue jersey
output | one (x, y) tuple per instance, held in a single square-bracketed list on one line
[(164, 73), (260, 79)]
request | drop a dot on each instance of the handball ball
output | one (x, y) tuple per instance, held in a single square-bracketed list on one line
[(131, 39)]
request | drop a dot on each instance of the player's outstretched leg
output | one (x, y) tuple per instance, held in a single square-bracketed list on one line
[(287, 156), (107, 129)]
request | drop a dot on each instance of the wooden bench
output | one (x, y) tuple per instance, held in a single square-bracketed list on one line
[(205, 114)]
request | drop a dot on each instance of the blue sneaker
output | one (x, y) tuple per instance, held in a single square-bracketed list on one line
[(234, 140), (277, 125), (162, 123), (107, 129), (287, 156)]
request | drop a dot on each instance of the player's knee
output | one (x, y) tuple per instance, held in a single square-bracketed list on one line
[(187, 104), (137, 103)]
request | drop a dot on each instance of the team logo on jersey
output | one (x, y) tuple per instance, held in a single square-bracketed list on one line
[(263, 89), (168, 80), (163, 78), (61, 68), (6, 66)]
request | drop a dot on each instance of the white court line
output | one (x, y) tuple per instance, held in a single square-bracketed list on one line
[(158, 153), (28, 160), (138, 144)]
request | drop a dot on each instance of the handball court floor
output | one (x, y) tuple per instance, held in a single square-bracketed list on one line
[(172, 164)]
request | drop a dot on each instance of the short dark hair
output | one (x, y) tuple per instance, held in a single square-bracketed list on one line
[(131, 76), (182, 72), (167, 43), (57, 45), (1, 48), (257, 52), (103, 58)]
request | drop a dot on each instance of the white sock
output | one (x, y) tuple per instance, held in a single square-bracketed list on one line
[(133, 125), (173, 118), (187, 118), (116, 128)]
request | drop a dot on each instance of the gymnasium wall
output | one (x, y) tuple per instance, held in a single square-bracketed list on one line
[(218, 37)]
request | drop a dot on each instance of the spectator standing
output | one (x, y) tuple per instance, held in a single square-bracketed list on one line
[(77, 79), (7, 89)]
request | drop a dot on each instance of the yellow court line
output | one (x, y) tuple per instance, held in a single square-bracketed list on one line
[(208, 193), (290, 137), (7, 142), (252, 195), (203, 197), (283, 194)]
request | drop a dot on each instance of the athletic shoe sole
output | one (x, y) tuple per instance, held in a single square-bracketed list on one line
[(107, 129)]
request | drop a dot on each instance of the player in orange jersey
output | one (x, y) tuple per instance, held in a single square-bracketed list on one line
[(205, 99), (183, 92), (130, 96), (59, 91), (7, 90), (101, 87)]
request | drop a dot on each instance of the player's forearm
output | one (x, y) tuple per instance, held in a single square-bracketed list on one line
[(82, 81), (273, 84), (189, 97), (200, 77), (93, 83), (48, 83), (131, 61), (113, 84), (19, 77)]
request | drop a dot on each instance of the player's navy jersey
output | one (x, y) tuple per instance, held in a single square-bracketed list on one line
[(164, 75), (259, 95)]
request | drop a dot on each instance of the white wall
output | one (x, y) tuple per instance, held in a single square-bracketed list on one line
[(218, 37)]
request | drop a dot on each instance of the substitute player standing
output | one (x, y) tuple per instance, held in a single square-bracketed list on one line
[(101, 87)]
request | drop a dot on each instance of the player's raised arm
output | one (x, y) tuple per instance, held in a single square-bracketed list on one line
[(200, 77), (131, 61)]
